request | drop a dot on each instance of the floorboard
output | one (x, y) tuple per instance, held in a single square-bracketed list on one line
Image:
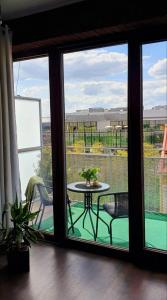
[(62, 274)]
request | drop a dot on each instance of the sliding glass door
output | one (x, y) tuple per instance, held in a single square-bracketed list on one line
[(96, 134), (155, 143), (92, 177), (32, 103)]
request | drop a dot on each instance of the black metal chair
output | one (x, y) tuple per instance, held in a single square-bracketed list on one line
[(117, 208), (46, 199)]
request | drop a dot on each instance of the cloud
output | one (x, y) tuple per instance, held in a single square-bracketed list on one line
[(103, 88), (31, 69), (107, 94), (83, 65), (87, 78), (159, 69), (94, 64), (154, 92), (94, 78), (145, 57), (87, 94)]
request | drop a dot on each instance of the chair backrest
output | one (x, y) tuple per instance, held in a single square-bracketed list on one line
[(31, 189), (43, 193), (44, 196), (121, 204), (68, 199)]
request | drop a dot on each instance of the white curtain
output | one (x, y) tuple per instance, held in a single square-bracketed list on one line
[(9, 167)]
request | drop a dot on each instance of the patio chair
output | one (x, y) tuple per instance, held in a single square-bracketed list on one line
[(117, 208), (46, 199)]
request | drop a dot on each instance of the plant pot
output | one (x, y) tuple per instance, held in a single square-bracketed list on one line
[(19, 260), (87, 183), (95, 183)]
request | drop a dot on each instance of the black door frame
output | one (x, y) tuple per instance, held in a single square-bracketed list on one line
[(137, 251)]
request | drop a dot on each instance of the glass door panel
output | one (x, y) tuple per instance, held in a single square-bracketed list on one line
[(155, 143), (96, 132), (32, 103)]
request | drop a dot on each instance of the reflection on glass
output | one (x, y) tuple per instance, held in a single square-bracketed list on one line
[(155, 144), (96, 132)]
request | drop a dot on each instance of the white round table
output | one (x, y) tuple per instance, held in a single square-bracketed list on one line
[(80, 187)]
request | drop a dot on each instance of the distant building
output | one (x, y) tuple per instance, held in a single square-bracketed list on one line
[(101, 119), (98, 109)]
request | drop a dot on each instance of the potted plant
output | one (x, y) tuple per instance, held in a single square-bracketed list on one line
[(16, 240), (89, 175)]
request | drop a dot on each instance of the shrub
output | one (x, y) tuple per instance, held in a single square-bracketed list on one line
[(123, 153), (150, 150), (97, 148), (79, 147)]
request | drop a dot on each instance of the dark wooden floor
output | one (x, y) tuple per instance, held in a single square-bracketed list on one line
[(61, 274)]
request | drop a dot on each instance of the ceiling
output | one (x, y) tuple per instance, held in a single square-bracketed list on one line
[(12, 9)]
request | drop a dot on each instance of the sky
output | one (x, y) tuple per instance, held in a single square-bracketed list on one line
[(96, 78)]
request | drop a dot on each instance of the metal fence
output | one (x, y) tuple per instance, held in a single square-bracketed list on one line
[(111, 139), (115, 138)]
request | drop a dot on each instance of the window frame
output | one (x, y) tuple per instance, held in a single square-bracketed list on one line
[(137, 251)]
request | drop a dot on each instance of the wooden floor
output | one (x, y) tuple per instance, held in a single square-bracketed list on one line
[(62, 274)]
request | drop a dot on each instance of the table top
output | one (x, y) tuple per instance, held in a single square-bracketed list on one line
[(81, 187)]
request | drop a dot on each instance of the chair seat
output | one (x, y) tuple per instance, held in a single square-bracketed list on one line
[(110, 209), (49, 201), (116, 208)]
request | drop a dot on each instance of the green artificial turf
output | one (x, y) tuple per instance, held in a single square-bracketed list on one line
[(155, 228)]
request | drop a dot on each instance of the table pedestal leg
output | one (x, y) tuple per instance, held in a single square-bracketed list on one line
[(83, 224), (88, 209), (77, 219)]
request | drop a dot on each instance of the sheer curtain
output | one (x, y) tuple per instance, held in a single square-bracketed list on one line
[(9, 167)]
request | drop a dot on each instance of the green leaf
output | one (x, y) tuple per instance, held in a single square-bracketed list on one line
[(33, 215), (21, 231)]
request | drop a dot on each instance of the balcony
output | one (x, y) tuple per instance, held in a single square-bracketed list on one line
[(114, 172), (108, 151)]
